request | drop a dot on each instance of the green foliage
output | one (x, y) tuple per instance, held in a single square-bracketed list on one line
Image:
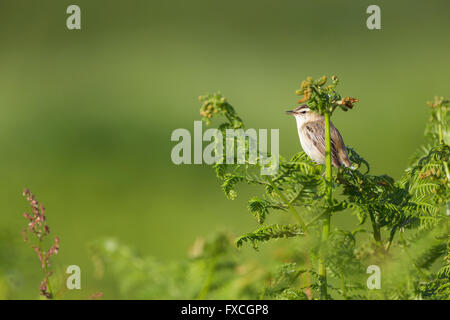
[(427, 180), (212, 271), (216, 104), (408, 215), (267, 233), (259, 208), (437, 128), (386, 202), (282, 284), (9, 273), (402, 227), (323, 99)]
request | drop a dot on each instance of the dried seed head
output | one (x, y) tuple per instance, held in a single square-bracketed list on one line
[(303, 100), (38, 227), (347, 102)]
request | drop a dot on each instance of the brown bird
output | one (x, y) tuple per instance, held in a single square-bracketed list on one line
[(311, 131)]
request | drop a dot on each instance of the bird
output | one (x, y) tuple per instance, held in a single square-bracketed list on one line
[(311, 131)]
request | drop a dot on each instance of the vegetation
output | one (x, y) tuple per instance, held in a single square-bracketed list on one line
[(403, 226), (39, 228), (408, 218)]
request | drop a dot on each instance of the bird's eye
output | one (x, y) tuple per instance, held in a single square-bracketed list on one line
[(303, 112)]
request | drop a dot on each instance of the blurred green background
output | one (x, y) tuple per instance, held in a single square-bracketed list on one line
[(86, 116)]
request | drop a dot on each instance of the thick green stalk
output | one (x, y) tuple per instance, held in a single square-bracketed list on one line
[(327, 220), (328, 158), (438, 115), (322, 265)]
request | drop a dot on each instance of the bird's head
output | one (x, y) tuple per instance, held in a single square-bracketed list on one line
[(302, 114)]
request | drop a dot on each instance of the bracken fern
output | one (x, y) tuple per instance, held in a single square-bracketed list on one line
[(408, 218)]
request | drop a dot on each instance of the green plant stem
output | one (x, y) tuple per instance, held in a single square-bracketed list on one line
[(207, 285), (327, 220), (263, 293), (391, 238), (288, 203), (319, 216), (322, 265), (328, 159), (438, 115), (308, 278), (376, 231), (344, 291)]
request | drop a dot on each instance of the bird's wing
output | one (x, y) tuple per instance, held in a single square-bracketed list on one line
[(315, 130), (337, 140)]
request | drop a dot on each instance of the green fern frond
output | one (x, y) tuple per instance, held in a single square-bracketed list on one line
[(275, 231), (229, 184)]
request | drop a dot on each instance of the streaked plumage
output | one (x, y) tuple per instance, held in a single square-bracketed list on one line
[(311, 131)]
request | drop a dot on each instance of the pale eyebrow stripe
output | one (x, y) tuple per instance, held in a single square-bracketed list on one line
[(301, 107)]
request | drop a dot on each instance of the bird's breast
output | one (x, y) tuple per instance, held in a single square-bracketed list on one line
[(309, 148)]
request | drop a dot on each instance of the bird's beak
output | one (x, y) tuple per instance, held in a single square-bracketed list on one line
[(290, 112)]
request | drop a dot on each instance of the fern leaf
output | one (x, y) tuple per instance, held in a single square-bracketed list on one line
[(275, 231)]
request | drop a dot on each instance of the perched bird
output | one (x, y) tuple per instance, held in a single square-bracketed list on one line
[(311, 131)]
